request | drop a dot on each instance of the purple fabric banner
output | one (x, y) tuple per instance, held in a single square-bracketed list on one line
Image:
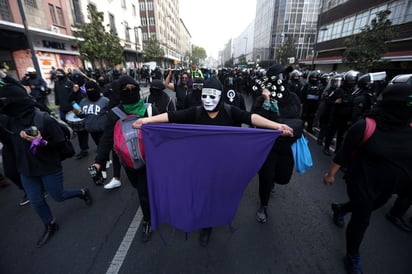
[(197, 173)]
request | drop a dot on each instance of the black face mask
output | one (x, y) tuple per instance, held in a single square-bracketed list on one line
[(129, 96), (101, 82), (93, 95)]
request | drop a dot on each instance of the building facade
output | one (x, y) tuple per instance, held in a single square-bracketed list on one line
[(342, 19), (48, 30), (278, 21)]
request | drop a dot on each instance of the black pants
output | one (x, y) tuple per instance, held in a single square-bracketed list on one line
[(361, 206), (277, 168), (138, 179), (338, 126), (116, 165)]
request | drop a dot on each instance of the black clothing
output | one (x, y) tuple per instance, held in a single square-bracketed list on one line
[(38, 88), (64, 95), (278, 166), (380, 167), (198, 115), (310, 101), (181, 93), (161, 101), (47, 159), (193, 99)]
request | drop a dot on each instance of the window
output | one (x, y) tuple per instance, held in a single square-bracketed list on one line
[(126, 33), (60, 16), (31, 3), (150, 5), (361, 21), (78, 19), (142, 6), (144, 36), (396, 9), (133, 10), (144, 21), (408, 13), (5, 11), (112, 23), (151, 21), (52, 14), (348, 26)]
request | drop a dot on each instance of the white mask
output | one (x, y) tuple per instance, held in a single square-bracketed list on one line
[(210, 98)]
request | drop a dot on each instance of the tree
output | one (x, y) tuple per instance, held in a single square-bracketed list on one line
[(95, 44), (286, 51), (366, 49), (198, 54), (229, 63), (242, 60), (152, 50)]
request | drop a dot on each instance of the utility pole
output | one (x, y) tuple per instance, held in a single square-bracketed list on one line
[(28, 37)]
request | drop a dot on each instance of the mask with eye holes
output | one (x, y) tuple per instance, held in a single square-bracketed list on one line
[(211, 94), (274, 82)]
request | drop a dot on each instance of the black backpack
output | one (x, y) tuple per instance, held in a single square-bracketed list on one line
[(67, 151)]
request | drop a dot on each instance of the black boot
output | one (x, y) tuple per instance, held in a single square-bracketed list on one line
[(204, 236), (146, 232), (48, 233)]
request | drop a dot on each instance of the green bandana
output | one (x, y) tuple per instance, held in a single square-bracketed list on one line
[(138, 108)]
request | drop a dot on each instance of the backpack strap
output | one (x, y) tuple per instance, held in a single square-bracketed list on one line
[(120, 113), (369, 130)]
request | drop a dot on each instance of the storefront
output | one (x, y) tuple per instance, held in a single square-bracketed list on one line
[(55, 52)]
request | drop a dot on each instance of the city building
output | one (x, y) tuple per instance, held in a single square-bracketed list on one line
[(119, 17), (46, 41), (339, 20), (277, 21), (160, 19)]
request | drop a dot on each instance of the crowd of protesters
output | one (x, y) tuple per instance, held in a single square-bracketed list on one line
[(329, 104)]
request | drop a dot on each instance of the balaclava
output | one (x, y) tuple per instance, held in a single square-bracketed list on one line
[(92, 91), (60, 74), (16, 103), (128, 96), (156, 87), (211, 94)]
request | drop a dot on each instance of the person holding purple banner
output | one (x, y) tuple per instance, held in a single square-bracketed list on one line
[(214, 112)]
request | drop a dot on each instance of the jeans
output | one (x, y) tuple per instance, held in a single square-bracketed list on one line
[(53, 184)]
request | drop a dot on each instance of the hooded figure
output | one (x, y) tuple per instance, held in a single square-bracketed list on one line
[(159, 98), (129, 90), (194, 98), (211, 95), (16, 103), (93, 91)]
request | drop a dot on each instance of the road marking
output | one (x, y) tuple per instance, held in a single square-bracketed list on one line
[(121, 253)]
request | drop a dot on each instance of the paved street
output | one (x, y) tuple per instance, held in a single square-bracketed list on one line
[(299, 236)]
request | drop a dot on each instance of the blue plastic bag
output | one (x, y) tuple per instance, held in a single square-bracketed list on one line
[(302, 155)]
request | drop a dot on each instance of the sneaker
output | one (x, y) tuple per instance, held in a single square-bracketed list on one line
[(48, 233), (204, 236), (146, 232), (261, 215), (108, 163), (352, 264), (114, 183), (24, 200), (81, 154), (104, 175), (399, 222), (87, 197), (338, 217)]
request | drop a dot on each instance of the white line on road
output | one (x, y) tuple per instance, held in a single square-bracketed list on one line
[(121, 253)]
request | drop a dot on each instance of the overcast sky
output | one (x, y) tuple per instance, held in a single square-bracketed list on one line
[(212, 23)]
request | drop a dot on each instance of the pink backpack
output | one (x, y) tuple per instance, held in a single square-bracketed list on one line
[(127, 141)]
